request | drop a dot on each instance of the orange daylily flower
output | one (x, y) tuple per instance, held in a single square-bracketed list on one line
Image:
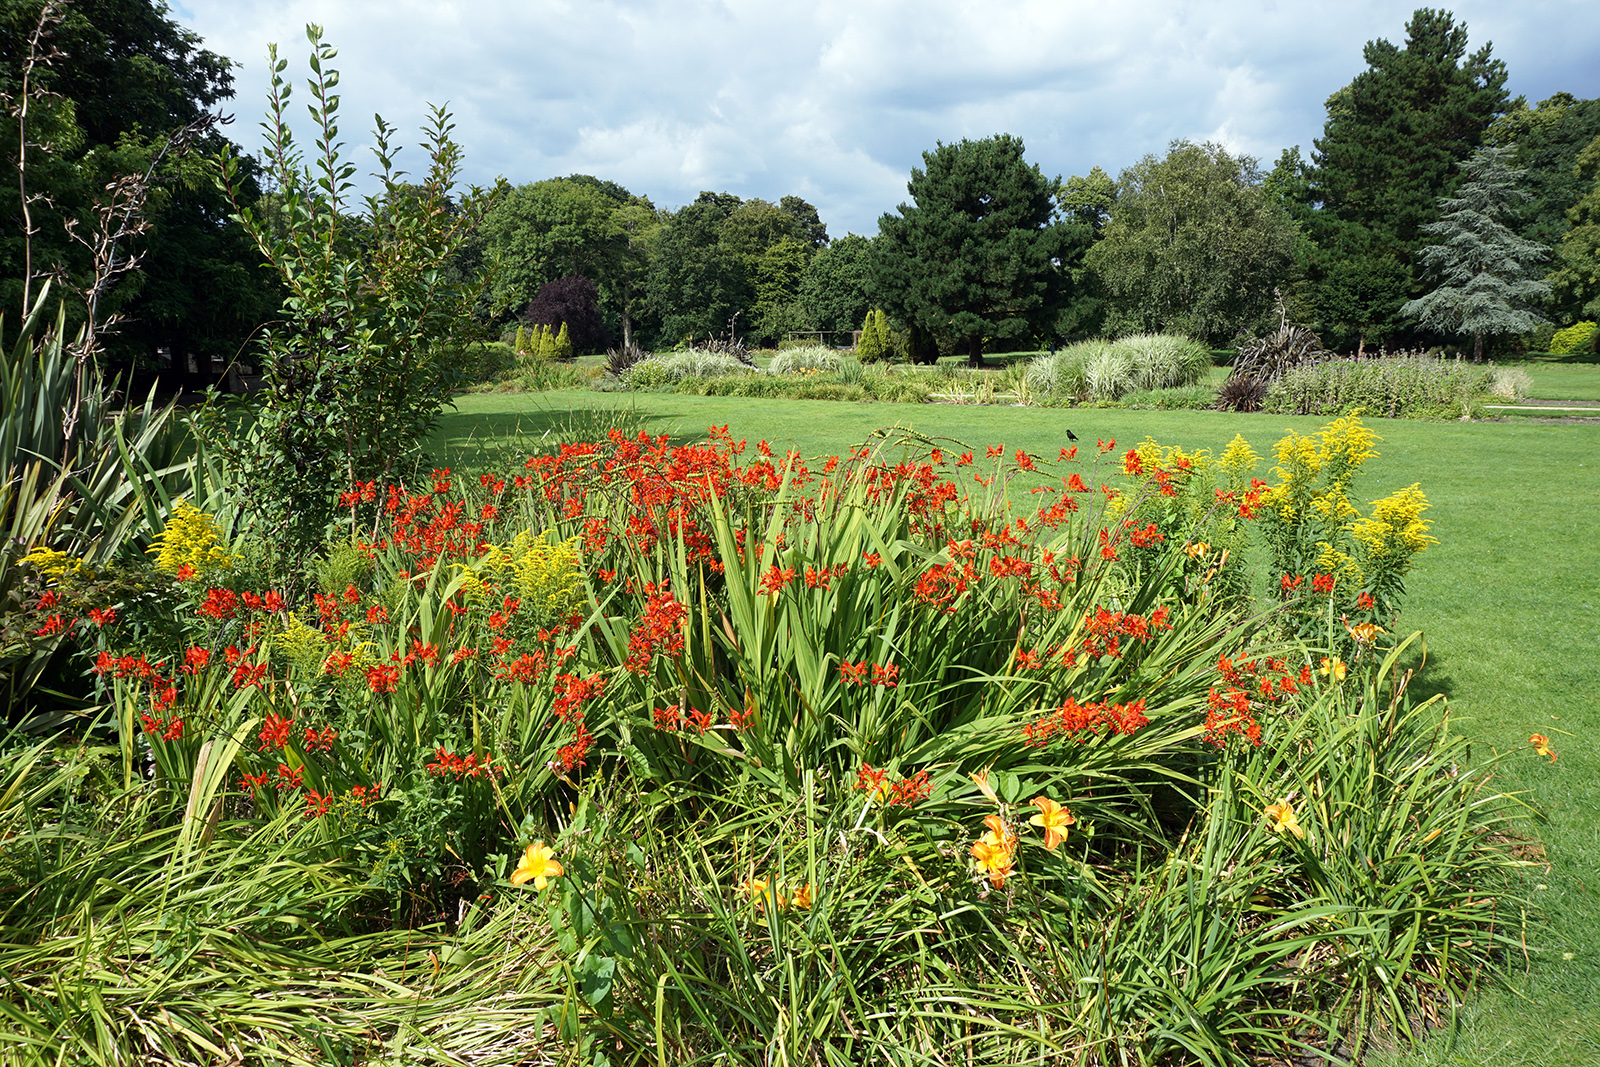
[(1283, 818), (537, 866), (802, 897), (1334, 668), (1366, 632), (992, 861), (998, 836), (1054, 819), (981, 780), (1541, 746)]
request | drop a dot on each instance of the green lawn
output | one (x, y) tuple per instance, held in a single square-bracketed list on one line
[(1509, 601)]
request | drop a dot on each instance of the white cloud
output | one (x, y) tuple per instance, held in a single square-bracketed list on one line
[(836, 100)]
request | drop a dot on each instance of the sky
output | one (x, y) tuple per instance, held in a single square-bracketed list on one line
[(836, 100)]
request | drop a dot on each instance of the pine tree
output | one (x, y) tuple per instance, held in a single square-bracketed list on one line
[(979, 254), (1488, 275), (520, 345), (1390, 148)]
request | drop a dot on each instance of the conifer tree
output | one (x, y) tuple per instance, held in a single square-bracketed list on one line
[(561, 345), (870, 348), (1488, 275), (1390, 148), (520, 345), (1576, 279), (885, 338)]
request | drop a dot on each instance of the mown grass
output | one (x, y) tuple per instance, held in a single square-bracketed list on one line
[(1508, 602)]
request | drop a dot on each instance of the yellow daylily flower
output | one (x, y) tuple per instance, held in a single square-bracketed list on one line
[(998, 836), (538, 866), (1054, 819), (1283, 818), (1333, 668), (802, 897)]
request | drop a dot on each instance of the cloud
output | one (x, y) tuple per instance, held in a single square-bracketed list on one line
[(835, 101)]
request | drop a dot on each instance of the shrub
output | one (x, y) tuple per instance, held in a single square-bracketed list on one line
[(812, 359), (1575, 338), (1404, 386)]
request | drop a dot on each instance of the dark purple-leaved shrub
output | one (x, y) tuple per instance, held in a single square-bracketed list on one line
[(575, 301)]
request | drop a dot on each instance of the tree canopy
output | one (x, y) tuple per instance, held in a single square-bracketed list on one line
[(1193, 245), (1488, 276), (1390, 148), (978, 254)]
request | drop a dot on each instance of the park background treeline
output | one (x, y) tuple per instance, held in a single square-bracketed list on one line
[(1197, 240)]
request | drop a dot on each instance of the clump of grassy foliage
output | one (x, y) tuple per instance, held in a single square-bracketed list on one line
[(1109, 370), (674, 753), (1406, 386)]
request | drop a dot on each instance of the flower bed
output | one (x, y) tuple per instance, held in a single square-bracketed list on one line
[(712, 748)]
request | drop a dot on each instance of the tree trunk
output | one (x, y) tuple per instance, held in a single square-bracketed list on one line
[(1477, 348), (975, 350), (627, 331)]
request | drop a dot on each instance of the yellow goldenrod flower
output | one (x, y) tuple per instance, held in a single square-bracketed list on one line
[(51, 563), (1334, 668), (190, 539), (1054, 819), (1283, 818), (538, 865)]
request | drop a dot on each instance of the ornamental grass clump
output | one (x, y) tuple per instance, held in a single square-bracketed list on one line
[(1108, 370), (696, 749)]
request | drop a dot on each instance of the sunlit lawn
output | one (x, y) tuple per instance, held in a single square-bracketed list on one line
[(1509, 601)]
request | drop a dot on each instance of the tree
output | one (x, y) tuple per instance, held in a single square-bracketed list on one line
[(1194, 245), (696, 287), (978, 254), (122, 79), (808, 224), (572, 304), (374, 335), (1390, 148), (1547, 140), (1488, 275), (1575, 283), (834, 287)]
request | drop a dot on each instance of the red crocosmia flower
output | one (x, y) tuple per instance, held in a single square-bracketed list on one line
[(53, 625), (1364, 602), (1322, 583), (272, 601), (317, 804), (102, 617), (351, 594), (966, 458), (382, 678), (886, 675), (246, 675), (377, 613), (872, 559), (775, 579), (1289, 583), (1107, 446), (1131, 463), (853, 673), (1024, 461), (289, 777), (1068, 454), (275, 732), (251, 601), (220, 604), (462, 653), (195, 660)]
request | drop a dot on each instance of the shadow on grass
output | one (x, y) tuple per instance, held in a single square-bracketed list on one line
[(1431, 675), (471, 441)]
